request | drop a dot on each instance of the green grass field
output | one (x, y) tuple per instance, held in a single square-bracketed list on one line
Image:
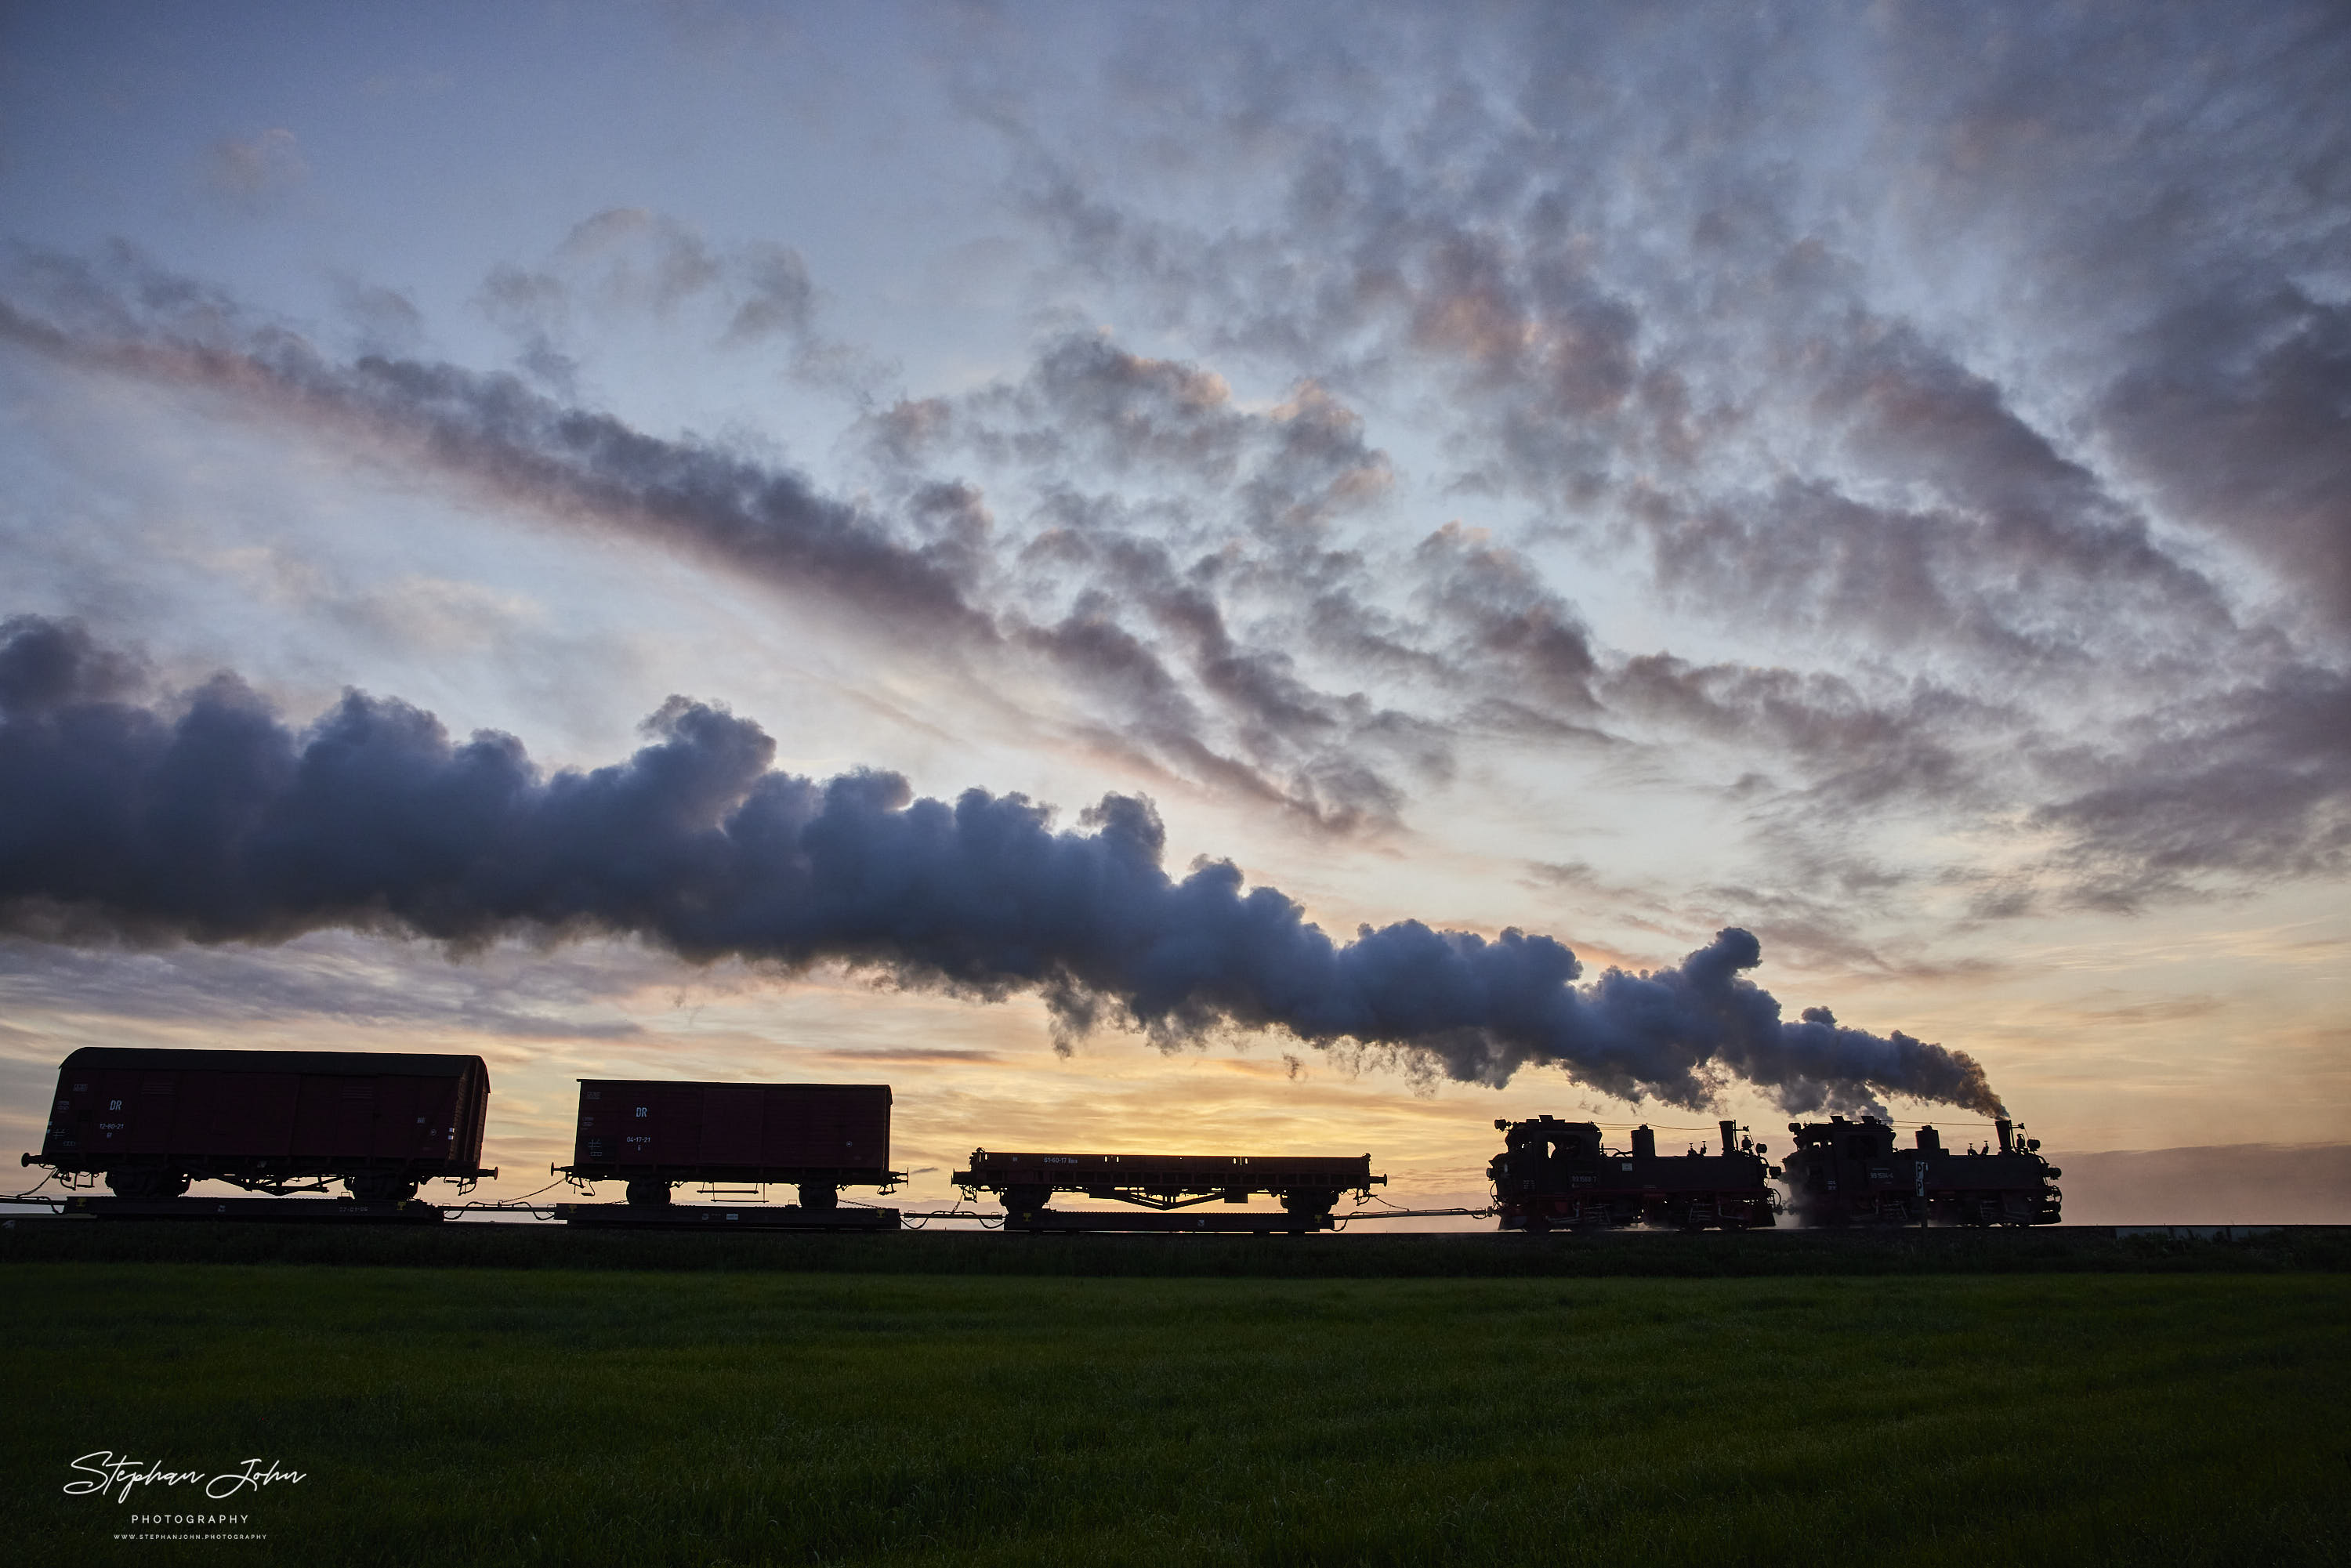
[(480, 1414)]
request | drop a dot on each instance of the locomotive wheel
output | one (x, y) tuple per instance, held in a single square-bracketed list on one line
[(1536, 1224)]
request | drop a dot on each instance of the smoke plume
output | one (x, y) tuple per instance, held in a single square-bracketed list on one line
[(209, 818)]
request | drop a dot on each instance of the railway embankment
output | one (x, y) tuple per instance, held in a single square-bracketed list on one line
[(1359, 1253)]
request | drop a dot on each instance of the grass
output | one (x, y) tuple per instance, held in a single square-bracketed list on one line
[(1363, 1253), (631, 1416)]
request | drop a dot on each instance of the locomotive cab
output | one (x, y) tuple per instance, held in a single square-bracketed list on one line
[(1842, 1171), (1547, 1155)]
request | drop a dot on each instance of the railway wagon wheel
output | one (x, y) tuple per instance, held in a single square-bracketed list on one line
[(380, 1186), (648, 1191), (146, 1181), (1021, 1204)]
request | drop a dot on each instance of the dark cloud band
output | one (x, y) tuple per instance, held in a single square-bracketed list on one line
[(211, 819)]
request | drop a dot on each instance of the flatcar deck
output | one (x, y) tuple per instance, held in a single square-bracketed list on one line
[(275, 1210), (1260, 1222), (724, 1217)]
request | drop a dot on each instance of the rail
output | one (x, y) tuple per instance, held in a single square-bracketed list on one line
[(56, 1203)]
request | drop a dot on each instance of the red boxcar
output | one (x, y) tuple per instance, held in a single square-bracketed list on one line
[(152, 1121), (653, 1133)]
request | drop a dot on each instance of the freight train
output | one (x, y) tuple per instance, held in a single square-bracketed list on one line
[(152, 1122)]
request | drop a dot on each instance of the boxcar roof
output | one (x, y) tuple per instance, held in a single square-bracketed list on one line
[(355, 1063), (727, 1083)]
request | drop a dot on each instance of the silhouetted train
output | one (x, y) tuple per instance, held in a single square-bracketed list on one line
[(1552, 1173), (151, 1121), (1848, 1172)]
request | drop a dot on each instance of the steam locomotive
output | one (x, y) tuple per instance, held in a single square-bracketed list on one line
[(1555, 1173), (151, 1121), (1847, 1172), (1552, 1173)]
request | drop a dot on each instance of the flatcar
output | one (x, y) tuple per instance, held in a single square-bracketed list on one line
[(653, 1135), (1553, 1174), (1308, 1187), (1848, 1172), (152, 1121)]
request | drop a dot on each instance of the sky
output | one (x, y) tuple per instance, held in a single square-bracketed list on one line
[(1241, 579)]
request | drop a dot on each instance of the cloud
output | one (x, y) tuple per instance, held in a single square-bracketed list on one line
[(2249, 781), (256, 173), (778, 298), (1988, 366), (911, 1055), (386, 321), (2244, 420), (1646, 274), (627, 263), (530, 450), (207, 818), (316, 982), (1217, 595), (46, 665)]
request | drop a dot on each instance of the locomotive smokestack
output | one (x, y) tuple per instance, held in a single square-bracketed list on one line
[(1730, 1135), (1930, 1142), (1644, 1143), (2007, 1130)]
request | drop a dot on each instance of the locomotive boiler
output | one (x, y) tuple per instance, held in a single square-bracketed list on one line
[(1553, 1174), (1847, 1173)]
